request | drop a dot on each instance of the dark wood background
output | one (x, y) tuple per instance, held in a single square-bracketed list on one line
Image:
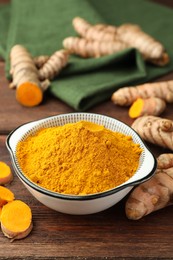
[(105, 235)]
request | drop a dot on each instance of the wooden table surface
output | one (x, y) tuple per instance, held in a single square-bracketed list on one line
[(105, 235)]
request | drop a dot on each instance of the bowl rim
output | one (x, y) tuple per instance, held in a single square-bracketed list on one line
[(50, 193)]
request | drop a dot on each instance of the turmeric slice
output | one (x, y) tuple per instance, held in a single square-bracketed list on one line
[(156, 130), (16, 220), (155, 193), (5, 196), (91, 48), (25, 77), (127, 95), (150, 106), (6, 175), (29, 94)]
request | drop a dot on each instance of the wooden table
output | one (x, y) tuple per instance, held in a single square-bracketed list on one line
[(105, 235)]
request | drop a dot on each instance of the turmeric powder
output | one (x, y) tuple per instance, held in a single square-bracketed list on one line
[(78, 158)]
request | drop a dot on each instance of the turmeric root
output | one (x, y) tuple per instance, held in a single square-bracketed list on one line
[(165, 161), (149, 106), (162, 61), (5, 196), (39, 61), (6, 175), (129, 34), (98, 32), (54, 65), (89, 48), (25, 77), (155, 193), (133, 36), (16, 220), (127, 95), (156, 130)]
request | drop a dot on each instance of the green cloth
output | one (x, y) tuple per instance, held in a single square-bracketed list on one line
[(4, 24), (41, 26)]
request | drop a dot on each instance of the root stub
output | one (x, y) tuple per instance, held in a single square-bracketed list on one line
[(29, 94)]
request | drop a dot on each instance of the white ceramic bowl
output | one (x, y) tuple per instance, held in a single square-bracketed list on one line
[(85, 204)]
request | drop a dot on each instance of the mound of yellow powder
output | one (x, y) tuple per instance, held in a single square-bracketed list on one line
[(79, 158)]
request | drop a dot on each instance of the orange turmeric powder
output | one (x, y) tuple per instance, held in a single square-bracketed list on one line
[(78, 158)]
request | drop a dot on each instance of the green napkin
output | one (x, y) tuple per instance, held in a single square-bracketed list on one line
[(4, 24), (41, 26)]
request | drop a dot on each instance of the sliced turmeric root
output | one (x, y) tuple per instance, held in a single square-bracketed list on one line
[(29, 94), (25, 76), (127, 95), (16, 220), (149, 106), (5, 196), (6, 175)]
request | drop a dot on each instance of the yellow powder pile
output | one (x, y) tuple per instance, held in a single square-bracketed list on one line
[(79, 158)]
